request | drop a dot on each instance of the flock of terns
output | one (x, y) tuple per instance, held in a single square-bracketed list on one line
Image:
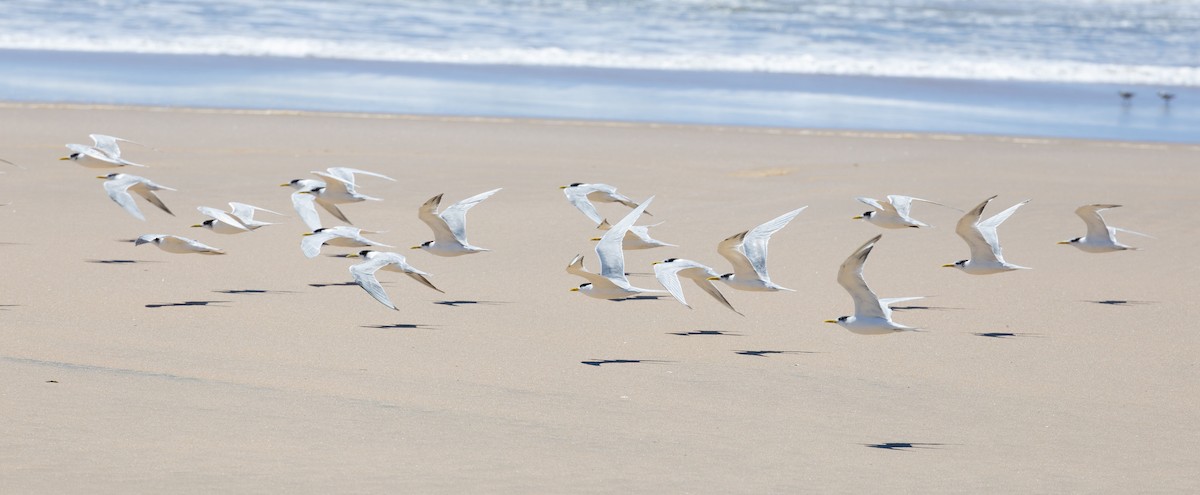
[(746, 251)]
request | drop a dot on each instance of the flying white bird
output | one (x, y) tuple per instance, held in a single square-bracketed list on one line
[(984, 242), (1100, 237), (747, 251), (893, 213), (340, 189), (670, 270), (637, 237), (103, 154), (611, 282), (239, 219), (341, 235), (872, 315), (364, 273), (118, 187), (176, 244), (450, 226), (581, 195)]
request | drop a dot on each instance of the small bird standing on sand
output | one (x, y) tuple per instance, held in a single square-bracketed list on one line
[(872, 315), (119, 185), (450, 226), (984, 242), (103, 154), (1100, 238)]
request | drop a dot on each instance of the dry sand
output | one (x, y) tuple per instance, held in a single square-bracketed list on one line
[(133, 370)]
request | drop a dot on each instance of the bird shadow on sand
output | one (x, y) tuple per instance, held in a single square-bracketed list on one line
[(455, 304), (705, 332), (638, 298), (1005, 335), (401, 326), (922, 308), (4, 307), (768, 352), (187, 303), (1120, 302), (600, 362), (334, 284), (253, 291), (120, 262), (902, 446)]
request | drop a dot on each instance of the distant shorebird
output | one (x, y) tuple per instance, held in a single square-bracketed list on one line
[(1166, 97), (1125, 95)]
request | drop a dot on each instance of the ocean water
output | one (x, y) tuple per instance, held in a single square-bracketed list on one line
[(1047, 67)]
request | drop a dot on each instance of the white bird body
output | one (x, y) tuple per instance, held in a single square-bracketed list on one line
[(341, 235), (581, 196), (221, 222), (872, 315), (611, 283), (450, 226), (893, 213), (118, 187), (176, 244), (245, 214), (340, 189), (747, 252), (669, 271), (637, 237), (1100, 237), (364, 273), (982, 238), (103, 154)]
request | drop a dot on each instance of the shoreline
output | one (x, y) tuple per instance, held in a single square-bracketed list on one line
[(1056, 110), (598, 123)]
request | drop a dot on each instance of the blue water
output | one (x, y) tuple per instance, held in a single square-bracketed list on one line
[(1049, 68)]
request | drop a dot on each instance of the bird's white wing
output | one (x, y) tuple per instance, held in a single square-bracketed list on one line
[(578, 196), (911, 199), (968, 229), (311, 244), (668, 275), (92, 152), (118, 191), (190, 244), (609, 250), (347, 174), (731, 249), (902, 205), (338, 185), (987, 229), (428, 213), (1096, 228), (305, 208), (711, 288), (222, 217), (455, 216), (146, 189), (754, 246), (364, 276), (1127, 231), (850, 277), (108, 146), (246, 212), (873, 203), (576, 268)]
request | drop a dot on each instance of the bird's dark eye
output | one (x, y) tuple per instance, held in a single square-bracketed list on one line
[(1077, 239), (575, 184), (670, 260), (427, 243), (318, 231), (74, 156), (727, 276), (869, 213), (586, 284), (843, 318)]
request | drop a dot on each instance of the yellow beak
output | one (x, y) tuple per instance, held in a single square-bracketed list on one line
[(198, 225), (286, 184), (713, 278), (415, 247), (856, 217), (562, 187), (352, 255), (596, 238), (1063, 242), (830, 321), (952, 265), (65, 158), (574, 289), (101, 177)]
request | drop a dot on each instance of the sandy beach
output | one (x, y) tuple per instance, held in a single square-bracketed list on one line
[(132, 370)]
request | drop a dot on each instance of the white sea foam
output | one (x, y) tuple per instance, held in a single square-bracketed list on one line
[(1011, 69)]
